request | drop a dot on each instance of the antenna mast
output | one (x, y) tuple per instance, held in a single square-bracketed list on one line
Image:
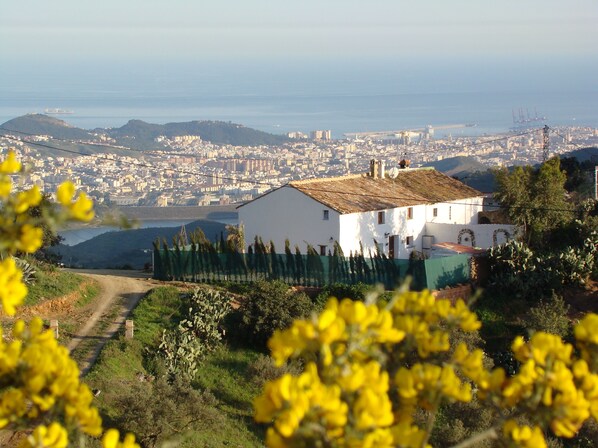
[(545, 143)]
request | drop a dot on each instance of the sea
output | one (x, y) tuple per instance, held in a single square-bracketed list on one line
[(482, 112), (342, 96)]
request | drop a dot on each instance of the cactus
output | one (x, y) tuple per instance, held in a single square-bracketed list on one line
[(27, 269), (197, 334)]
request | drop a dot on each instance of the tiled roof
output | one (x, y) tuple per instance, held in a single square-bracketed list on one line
[(360, 193)]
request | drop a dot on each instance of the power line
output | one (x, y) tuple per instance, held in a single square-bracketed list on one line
[(137, 163), (272, 185)]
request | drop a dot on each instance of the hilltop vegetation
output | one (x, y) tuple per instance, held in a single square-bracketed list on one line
[(138, 134)]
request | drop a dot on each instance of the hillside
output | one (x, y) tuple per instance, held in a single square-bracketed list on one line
[(584, 154), (455, 166), (468, 170), (138, 134), (127, 247), (39, 124)]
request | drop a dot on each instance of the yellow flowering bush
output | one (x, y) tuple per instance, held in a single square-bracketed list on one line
[(377, 374), (40, 388)]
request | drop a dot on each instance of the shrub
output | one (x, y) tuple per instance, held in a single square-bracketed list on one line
[(515, 271), (550, 316), (271, 305), (389, 376), (159, 411), (575, 265), (197, 334), (357, 291), (263, 369)]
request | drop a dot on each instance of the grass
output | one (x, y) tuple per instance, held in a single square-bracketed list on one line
[(130, 365), (159, 310), (89, 292), (51, 283)]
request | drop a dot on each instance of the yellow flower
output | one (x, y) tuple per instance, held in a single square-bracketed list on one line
[(10, 165), (82, 208), (586, 329), (53, 436), (30, 239), (65, 193), (12, 289), (27, 199), (111, 439), (524, 436), (5, 186), (406, 435)]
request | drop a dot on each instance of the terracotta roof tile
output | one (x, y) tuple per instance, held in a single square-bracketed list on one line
[(360, 193)]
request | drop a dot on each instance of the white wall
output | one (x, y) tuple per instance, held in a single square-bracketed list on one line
[(462, 211), (483, 233), (364, 227), (287, 213)]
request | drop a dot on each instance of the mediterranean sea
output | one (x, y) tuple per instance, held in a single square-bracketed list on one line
[(491, 113), (278, 96)]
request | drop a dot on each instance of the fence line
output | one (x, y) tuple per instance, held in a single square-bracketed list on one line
[(194, 264)]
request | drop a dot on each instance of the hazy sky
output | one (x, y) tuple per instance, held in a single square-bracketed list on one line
[(313, 46), (321, 29)]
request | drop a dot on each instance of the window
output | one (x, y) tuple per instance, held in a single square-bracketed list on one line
[(381, 217), (409, 241), (326, 215), (410, 213), (322, 250), (434, 212)]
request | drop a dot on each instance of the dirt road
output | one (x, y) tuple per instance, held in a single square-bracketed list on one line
[(120, 292)]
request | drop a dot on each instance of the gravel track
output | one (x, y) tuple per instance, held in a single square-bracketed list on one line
[(120, 291)]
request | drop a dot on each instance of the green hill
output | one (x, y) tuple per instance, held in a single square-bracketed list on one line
[(141, 135), (455, 166), (38, 124), (138, 134), (589, 154), (127, 247)]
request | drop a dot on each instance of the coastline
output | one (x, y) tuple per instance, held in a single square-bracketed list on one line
[(149, 217)]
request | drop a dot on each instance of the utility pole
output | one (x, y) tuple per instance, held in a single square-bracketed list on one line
[(596, 183), (545, 143)]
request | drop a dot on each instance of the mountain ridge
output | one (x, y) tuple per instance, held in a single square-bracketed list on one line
[(140, 135)]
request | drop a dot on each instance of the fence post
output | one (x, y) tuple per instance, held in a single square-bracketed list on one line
[(54, 327), (129, 327)]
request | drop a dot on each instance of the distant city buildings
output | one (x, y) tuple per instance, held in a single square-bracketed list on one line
[(321, 135), (196, 172)]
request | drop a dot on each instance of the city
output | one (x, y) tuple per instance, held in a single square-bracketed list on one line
[(196, 172)]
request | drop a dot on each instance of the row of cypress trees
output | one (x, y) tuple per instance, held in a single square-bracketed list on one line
[(202, 260)]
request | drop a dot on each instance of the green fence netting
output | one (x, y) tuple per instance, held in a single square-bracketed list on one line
[(191, 265)]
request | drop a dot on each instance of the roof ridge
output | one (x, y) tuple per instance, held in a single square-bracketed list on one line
[(325, 179)]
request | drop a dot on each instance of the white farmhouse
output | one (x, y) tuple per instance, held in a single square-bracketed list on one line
[(411, 212)]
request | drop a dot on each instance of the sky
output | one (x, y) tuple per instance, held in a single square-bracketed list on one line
[(519, 39), (322, 29)]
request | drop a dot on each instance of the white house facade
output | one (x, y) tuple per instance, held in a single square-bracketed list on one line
[(417, 208)]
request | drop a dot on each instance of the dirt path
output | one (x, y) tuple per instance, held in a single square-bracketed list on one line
[(120, 292)]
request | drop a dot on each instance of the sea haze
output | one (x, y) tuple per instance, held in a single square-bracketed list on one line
[(351, 96)]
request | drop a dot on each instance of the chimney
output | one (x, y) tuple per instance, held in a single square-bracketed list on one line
[(381, 169), (377, 169), (374, 169)]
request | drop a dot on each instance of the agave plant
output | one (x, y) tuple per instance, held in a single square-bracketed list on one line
[(27, 269)]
